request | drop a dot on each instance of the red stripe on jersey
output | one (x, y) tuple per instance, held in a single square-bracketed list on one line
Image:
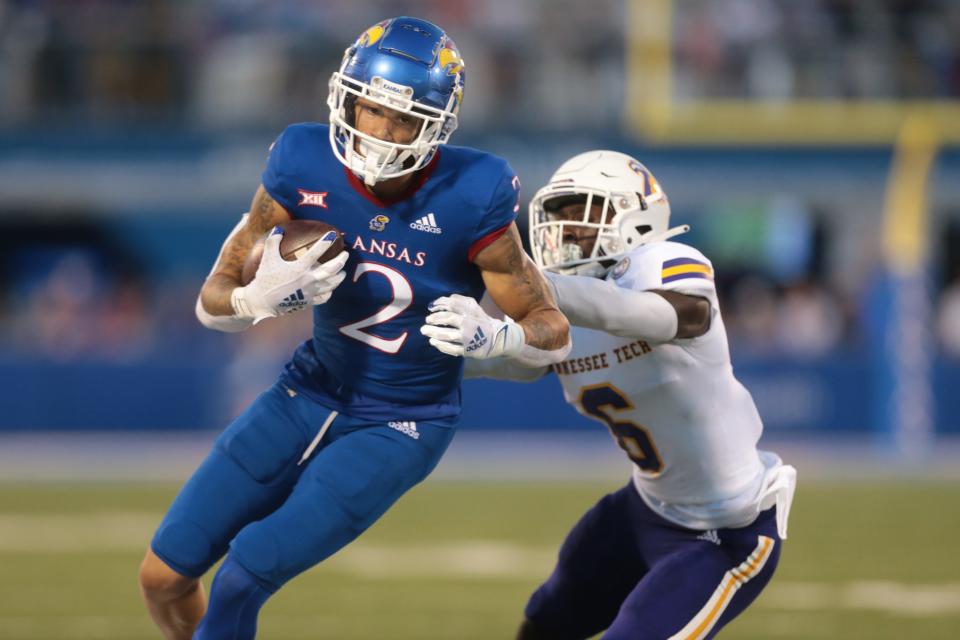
[(486, 240)]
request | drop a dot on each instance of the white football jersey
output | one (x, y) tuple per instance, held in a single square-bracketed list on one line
[(686, 422)]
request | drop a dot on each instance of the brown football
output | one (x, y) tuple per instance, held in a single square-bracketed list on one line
[(298, 237)]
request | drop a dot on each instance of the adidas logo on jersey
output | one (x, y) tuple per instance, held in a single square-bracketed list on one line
[(479, 339), (710, 536), (427, 223), (408, 428), (293, 302)]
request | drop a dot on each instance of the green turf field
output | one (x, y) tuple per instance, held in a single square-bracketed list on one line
[(458, 561)]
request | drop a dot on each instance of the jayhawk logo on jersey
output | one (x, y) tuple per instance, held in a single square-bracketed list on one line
[(379, 223)]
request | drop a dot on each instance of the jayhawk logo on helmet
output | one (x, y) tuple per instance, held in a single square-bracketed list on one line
[(449, 58), (373, 34)]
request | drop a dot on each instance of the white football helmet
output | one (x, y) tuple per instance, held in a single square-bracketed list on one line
[(635, 211)]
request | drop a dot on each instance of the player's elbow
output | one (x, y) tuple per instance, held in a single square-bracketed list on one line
[(561, 327), (546, 328), (693, 317), (227, 324)]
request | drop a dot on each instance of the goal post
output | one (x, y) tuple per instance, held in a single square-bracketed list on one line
[(653, 113), (901, 303)]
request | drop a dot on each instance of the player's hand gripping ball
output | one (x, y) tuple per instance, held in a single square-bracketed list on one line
[(298, 265), (298, 236)]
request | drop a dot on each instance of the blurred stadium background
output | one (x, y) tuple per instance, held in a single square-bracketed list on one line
[(812, 146)]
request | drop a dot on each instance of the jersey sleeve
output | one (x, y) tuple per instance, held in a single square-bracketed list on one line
[(500, 213), (277, 176), (670, 266)]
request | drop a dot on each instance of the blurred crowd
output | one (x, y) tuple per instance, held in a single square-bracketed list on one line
[(261, 63), (779, 49), (545, 64)]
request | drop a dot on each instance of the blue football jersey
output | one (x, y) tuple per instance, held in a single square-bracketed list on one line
[(367, 357)]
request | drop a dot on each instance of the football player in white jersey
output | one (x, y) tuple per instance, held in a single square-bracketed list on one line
[(695, 536)]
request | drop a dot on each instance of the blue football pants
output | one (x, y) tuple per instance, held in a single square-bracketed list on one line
[(278, 517)]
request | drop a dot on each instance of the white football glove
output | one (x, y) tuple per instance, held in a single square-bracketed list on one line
[(458, 326), (281, 286)]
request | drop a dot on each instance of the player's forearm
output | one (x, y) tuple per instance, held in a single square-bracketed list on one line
[(546, 329), (544, 338), (216, 292), (601, 305), (542, 334)]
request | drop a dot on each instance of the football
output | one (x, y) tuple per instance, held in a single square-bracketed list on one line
[(298, 237)]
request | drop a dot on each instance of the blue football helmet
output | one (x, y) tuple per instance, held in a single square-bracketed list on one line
[(405, 64)]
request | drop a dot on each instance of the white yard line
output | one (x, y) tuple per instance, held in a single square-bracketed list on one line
[(870, 595), (459, 559), (455, 559), (118, 532)]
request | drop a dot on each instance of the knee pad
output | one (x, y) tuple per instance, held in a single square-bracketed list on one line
[(185, 548), (268, 550)]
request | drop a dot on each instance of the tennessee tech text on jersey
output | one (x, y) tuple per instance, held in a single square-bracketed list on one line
[(367, 354)]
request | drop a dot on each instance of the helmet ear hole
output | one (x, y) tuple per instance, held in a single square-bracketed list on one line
[(640, 230)]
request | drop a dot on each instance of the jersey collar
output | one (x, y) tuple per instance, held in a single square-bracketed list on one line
[(421, 177)]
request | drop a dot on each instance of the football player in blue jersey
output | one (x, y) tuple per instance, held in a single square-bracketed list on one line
[(366, 407)]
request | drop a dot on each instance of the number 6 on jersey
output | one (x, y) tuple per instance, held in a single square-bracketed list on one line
[(632, 438)]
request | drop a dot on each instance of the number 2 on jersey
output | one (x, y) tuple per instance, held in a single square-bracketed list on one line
[(632, 438), (402, 297)]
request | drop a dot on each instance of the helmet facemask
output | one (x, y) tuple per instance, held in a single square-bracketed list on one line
[(635, 211), (374, 159), (573, 231)]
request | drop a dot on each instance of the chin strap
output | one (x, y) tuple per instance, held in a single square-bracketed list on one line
[(369, 160), (365, 164)]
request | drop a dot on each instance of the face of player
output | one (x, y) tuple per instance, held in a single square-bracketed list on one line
[(384, 123), (580, 235)]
